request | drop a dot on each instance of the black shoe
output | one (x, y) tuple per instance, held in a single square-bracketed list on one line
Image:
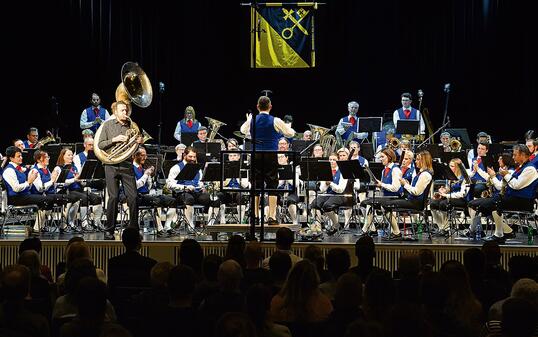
[(372, 234), (393, 237), (272, 222), (495, 239), (109, 236), (332, 231), (511, 235)]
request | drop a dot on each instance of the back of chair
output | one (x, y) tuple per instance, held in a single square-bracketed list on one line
[(426, 195)]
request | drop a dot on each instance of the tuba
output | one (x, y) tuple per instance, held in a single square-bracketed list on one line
[(135, 87), (326, 140), (45, 140), (214, 125)]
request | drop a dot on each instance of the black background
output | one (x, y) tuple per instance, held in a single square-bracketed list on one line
[(369, 51)]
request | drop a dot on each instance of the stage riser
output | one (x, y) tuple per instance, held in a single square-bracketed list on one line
[(387, 255)]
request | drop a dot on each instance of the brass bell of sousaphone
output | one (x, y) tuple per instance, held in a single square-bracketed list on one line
[(135, 88)]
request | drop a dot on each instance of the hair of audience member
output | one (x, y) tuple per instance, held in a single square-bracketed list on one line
[(314, 254), (253, 255), (379, 295), (91, 299), (235, 324), (365, 250), (115, 331), (433, 294), (15, 283), (159, 274), (492, 253), (235, 250), (33, 243), (77, 250), (131, 239), (409, 265), (301, 285), (348, 294), (521, 266), (210, 267), (474, 261), (518, 318), (363, 328), (338, 262), (181, 282), (78, 270), (526, 288), (280, 265), (284, 238), (258, 303), (30, 259), (191, 254), (229, 276), (427, 259)]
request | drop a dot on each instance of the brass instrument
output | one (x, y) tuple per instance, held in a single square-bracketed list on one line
[(214, 126), (488, 192), (455, 144), (326, 140), (394, 143), (45, 140), (145, 136), (135, 87)]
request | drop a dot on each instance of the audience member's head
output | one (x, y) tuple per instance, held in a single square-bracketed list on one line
[(338, 262), (408, 265), (253, 255), (279, 265), (131, 239), (76, 250), (492, 253), (433, 293), (236, 249), (32, 243), (229, 276), (379, 295), (191, 254), (30, 259), (91, 299), (210, 267), (365, 250), (300, 287), (474, 261), (314, 254), (521, 266), (518, 318), (284, 238), (348, 295), (427, 260), (526, 288), (15, 283), (159, 274), (78, 270), (235, 324), (258, 301), (181, 283)]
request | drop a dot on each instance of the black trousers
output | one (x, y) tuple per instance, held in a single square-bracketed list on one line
[(157, 200), (415, 204), (442, 204), (42, 201), (113, 175), (86, 198), (498, 203), (266, 170), (237, 198), (328, 203)]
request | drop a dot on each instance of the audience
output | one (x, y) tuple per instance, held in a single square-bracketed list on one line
[(347, 305), (253, 272), (365, 253), (314, 254), (192, 255), (34, 243), (279, 267), (338, 263), (284, 240), (258, 306), (236, 250)]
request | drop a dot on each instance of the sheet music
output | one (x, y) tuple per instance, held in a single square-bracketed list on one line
[(372, 177)]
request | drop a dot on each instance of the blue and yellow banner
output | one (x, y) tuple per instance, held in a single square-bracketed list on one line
[(283, 35)]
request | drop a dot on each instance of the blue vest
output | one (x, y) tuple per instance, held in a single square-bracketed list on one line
[(336, 180), (412, 116), (266, 135), (234, 183), (45, 178), (90, 115), (353, 128), (408, 173), (70, 175), (534, 162), (185, 128), (193, 182), (414, 183), (139, 172), (525, 193), (27, 144), (21, 178), (477, 177), (361, 160), (388, 180), (83, 158), (457, 188)]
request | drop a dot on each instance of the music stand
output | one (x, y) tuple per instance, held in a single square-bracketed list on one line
[(189, 172), (157, 162), (79, 147), (463, 136), (434, 149), (88, 169), (167, 166), (446, 157), (489, 161), (367, 151), (495, 149), (408, 127), (298, 145), (54, 152), (442, 171), (28, 157), (188, 138), (352, 170), (370, 124), (314, 170), (376, 169), (207, 151)]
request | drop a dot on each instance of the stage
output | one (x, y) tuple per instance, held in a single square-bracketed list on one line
[(167, 249)]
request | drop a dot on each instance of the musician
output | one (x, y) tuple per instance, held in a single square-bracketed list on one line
[(348, 127), (87, 133), (532, 145), (114, 131), (202, 135), (408, 112), (445, 141), (484, 205), (307, 135), (93, 116), (389, 134), (19, 144), (478, 170), (390, 186), (81, 157), (268, 130), (332, 195), (190, 192), (180, 149), (520, 190), (144, 184), (283, 144), (481, 138), (291, 198), (456, 195), (73, 187), (31, 141), (232, 144), (188, 124), (355, 147), (317, 151), (236, 198), (415, 192)]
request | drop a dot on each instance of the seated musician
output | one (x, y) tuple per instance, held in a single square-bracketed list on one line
[(73, 187), (180, 148), (18, 184), (81, 157), (355, 147), (202, 135), (405, 145), (532, 145), (291, 198), (445, 141), (456, 195), (145, 198), (332, 195), (481, 138), (408, 166), (310, 186), (190, 192), (390, 186), (484, 205), (389, 134), (307, 135), (520, 190), (31, 141), (415, 192), (237, 198), (478, 170)]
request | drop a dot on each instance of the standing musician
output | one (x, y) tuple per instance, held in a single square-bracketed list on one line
[(408, 112), (113, 132), (31, 139), (192, 191), (268, 130), (481, 138), (145, 198), (415, 192), (478, 170), (445, 141), (188, 124), (484, 205), (93, 116), (457, 196), (532, 145), (390, 186), (349, 126), (355, 148), (520, 190)]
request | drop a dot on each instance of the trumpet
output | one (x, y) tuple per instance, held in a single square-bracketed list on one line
[(454, 144)]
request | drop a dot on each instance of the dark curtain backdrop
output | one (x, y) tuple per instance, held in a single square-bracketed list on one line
[(369, 51)]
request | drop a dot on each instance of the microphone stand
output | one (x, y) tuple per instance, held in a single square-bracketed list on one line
[(160, 168), (316, 141), (433, 134), (447, 92)]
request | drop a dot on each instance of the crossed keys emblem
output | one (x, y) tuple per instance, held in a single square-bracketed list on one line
[(287, 33)]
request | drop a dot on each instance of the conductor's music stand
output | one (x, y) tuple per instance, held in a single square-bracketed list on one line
[(352, 170)]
